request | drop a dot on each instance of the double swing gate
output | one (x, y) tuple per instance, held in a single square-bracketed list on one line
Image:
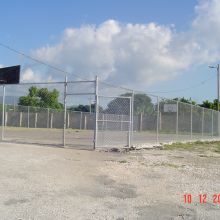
[(109, 118)]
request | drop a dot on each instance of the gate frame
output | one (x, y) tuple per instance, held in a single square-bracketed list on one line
[(130, 130), (95, 93)]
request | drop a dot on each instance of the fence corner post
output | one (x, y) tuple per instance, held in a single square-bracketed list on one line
[(177, 120), (64, 116), (3, 112), (158, 116), (132, 117), (96, 112)]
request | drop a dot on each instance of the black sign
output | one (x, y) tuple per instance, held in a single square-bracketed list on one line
[(10, 75)]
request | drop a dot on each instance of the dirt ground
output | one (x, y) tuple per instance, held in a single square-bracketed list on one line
[(39, 182), (84, 139)]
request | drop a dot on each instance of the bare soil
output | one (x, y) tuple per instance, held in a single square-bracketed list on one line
[(39, 182)]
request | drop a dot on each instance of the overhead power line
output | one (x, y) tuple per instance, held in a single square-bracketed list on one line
[(39, 61), (187, 88), (82, 78)]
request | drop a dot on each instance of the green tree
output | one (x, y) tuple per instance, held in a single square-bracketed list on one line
[(184, 100), (207, 104), (41, 98), (215, 104), (121, 106), (84, 108)]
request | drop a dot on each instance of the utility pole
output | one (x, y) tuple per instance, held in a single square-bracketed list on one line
[(218, 83), (217, 68)]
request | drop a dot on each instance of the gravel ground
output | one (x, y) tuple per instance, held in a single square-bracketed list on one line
[(56, 183)]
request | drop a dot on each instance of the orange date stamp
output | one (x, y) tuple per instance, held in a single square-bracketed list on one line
[(201, 198)]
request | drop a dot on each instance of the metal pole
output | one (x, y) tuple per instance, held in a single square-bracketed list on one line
[(202, 122), (96, 112), (212, 123), (14, 103), (132, 117), (218, 85), (177, 119), (90, 107), (130, 124), (3, 112), (121, 122), (218, 98), (48, 117), (158, 115), (80, 122), (191, 118), (28, 122), (64, 118)]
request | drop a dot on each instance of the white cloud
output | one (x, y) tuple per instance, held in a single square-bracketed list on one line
[(28, 75), (137, 54)]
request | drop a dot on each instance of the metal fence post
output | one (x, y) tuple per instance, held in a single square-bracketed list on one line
[(140, 121), (132, 117), (35, 122), (212, 122), (158, 115), (130, 123), (48, 117), (6, 118), (191, 121), (51, 120), (64, 116), (121, 117), (96, 112), (202, 122), (177, 119), (28, 119), (80, 122), (218, 123), (3, 112)]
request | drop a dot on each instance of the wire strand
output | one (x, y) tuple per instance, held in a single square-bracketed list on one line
[(82, 78)]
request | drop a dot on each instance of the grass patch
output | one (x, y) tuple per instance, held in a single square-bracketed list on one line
[(122, 161), (213, 146), (217, 150), (168, 165)]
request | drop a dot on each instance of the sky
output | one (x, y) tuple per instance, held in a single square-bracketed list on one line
[(156, 46)]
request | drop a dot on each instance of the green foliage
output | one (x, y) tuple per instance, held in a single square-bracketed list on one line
[(41, 98), (210, 105), (142, 104), (207, 104), (184, 100), (83, 108)]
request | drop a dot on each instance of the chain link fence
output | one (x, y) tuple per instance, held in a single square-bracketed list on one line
[(114, 121), (92, 114)]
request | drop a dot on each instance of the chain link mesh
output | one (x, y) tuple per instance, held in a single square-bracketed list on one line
[(114, 121), (124, 117)]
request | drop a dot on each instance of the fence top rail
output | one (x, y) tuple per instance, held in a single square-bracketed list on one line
[(188, 104), (83, 93), (124, 97), (93, 81), (50, 83)]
